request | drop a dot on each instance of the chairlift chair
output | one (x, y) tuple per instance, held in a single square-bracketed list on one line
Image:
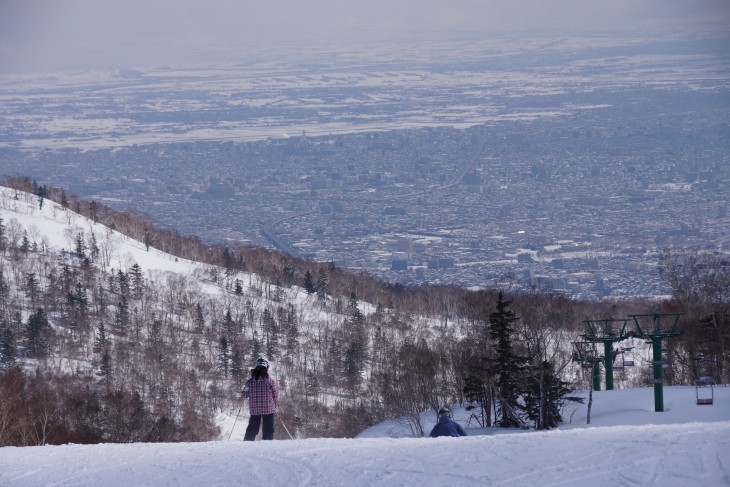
[(618, 366), (705, 391), (705, 384), (628, 362), (584, 354)]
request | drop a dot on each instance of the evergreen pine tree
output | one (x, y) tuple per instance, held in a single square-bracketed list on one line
[(256, 345), (66, 277), (228, 261), (80, 246), (322, 285), (93, 247), (80, 299), (105, 368), (352, 303), (42, 193), (4, 290), (137, 280), (198, 318), (147, 241), (122, 317), (237, 371), (3, 239), (123, 283), (25, 243), (94, 211), (16, 325), (8, 348), (101, 341), (230, 327), (354, 362), (309, 283), (508, 366), (357, 319), (32, 287), (545, 394), (38, 331), (223, 356)]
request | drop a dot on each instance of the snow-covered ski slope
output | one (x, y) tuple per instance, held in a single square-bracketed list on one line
[(57, 228), (627, 443), (693, 449)]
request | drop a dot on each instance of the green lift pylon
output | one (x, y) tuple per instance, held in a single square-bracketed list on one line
[(656, 327), (586, 354), (608, 332)]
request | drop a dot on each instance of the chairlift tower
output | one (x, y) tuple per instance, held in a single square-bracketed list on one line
[(586, 354), (656, 327), (608, 332)]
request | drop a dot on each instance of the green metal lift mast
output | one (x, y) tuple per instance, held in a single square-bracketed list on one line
[(586, 354), (608, 332), (656, 327)]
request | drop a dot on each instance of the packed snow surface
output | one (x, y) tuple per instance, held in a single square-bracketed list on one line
[(627, 444)]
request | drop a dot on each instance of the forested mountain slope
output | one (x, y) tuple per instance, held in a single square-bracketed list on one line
[(112, 330)]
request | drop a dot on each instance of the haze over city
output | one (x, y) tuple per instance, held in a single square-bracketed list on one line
[(43, 34), (559, 145)]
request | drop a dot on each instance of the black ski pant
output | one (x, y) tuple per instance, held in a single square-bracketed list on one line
[(254, 423)]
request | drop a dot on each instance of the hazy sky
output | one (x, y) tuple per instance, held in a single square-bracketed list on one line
[(50, 34)]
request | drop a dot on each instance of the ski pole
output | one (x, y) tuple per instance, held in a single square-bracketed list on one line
[(234, 422), (285, 428)]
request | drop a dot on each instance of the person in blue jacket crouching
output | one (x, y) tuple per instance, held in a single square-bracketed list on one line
[(446, 425)]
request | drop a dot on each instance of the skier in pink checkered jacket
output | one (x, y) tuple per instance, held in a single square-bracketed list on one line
[(263, 399)]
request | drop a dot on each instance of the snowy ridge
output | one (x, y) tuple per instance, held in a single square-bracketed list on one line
[(57, 228)]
